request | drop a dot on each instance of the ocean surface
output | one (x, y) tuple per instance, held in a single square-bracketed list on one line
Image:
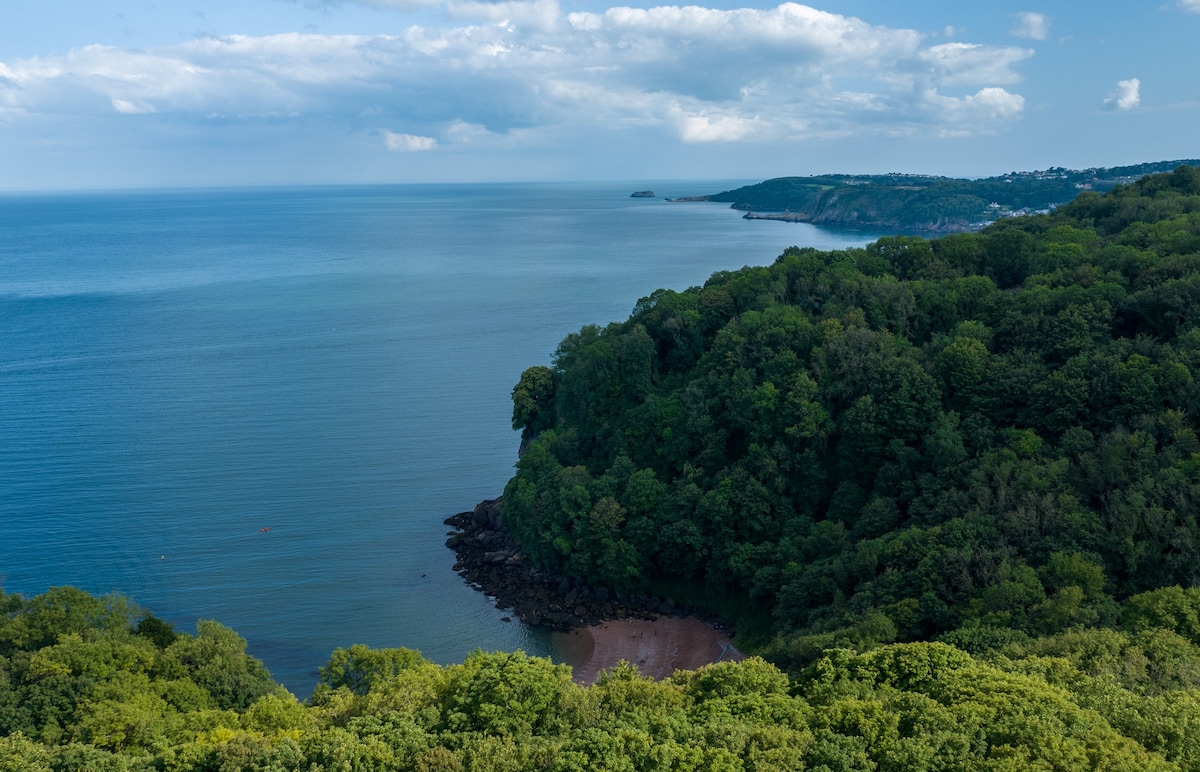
[(181, 370)]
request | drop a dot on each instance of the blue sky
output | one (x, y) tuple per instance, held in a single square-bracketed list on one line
[(116, 93)]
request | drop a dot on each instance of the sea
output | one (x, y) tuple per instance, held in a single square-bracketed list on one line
[(258, 405)]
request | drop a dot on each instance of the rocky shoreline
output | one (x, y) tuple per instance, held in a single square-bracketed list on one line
[(491, 562)]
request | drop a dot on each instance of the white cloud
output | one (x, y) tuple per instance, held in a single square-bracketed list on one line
[(125, 107), (1035, 26), (408, 143), (523, 69), (971, 63), (1190, 5), (711, 127), (1126, 96), (537, 14), (463, 133), (987, 106)]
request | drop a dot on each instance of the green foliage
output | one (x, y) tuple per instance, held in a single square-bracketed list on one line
[(506, 694), (533, 401), (923, 203), (360, 667), (162, 633), (1082, 699), (40, 621), (17, 754), (216, 660), (993, 430)]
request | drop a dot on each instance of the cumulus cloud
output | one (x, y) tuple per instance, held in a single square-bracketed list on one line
[(1126, 96), (1036, 26), (986, 105), (521, 68), (407, 143), (970, 63), (707, 126)]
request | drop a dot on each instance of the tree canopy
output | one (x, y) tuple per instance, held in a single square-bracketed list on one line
[(99, 695), (993, 431)]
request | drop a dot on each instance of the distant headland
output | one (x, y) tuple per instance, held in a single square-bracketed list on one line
[(916, 203)]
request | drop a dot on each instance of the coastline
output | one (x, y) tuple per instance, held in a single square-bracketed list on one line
[(491, 562), (595, 627)]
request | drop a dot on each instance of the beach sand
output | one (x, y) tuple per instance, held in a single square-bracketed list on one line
[(657, 647)]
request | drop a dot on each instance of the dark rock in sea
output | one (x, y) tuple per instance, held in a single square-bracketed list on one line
[(642, 194)]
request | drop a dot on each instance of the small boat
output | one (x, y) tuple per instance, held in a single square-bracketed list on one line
[(264, 530)]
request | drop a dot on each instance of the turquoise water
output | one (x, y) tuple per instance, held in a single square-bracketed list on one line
[(181, 370)]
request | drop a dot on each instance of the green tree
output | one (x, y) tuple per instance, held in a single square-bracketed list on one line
[(216, 659), (533, 401)]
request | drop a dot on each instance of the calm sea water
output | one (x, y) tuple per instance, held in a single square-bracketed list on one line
[(181, 370)]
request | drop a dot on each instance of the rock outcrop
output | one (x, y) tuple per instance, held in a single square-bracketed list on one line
[(491, 562)]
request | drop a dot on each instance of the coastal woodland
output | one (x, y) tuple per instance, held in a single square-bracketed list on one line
[(947, 491), (922, 203)]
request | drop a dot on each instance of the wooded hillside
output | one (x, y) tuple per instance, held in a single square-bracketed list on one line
[(917, 203), (990, 433)]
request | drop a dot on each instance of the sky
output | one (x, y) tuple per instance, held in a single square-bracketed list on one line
[(110, 94)]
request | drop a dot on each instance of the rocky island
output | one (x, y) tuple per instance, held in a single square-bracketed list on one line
[(642, 194)]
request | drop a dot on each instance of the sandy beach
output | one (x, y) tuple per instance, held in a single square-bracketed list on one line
[(657, 647)]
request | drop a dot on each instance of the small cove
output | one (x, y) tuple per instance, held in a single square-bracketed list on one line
[(180, 370)]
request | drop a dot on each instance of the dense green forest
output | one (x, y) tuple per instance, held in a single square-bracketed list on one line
[(948, 489), (988, 437), (95, 684), (910, 203)]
